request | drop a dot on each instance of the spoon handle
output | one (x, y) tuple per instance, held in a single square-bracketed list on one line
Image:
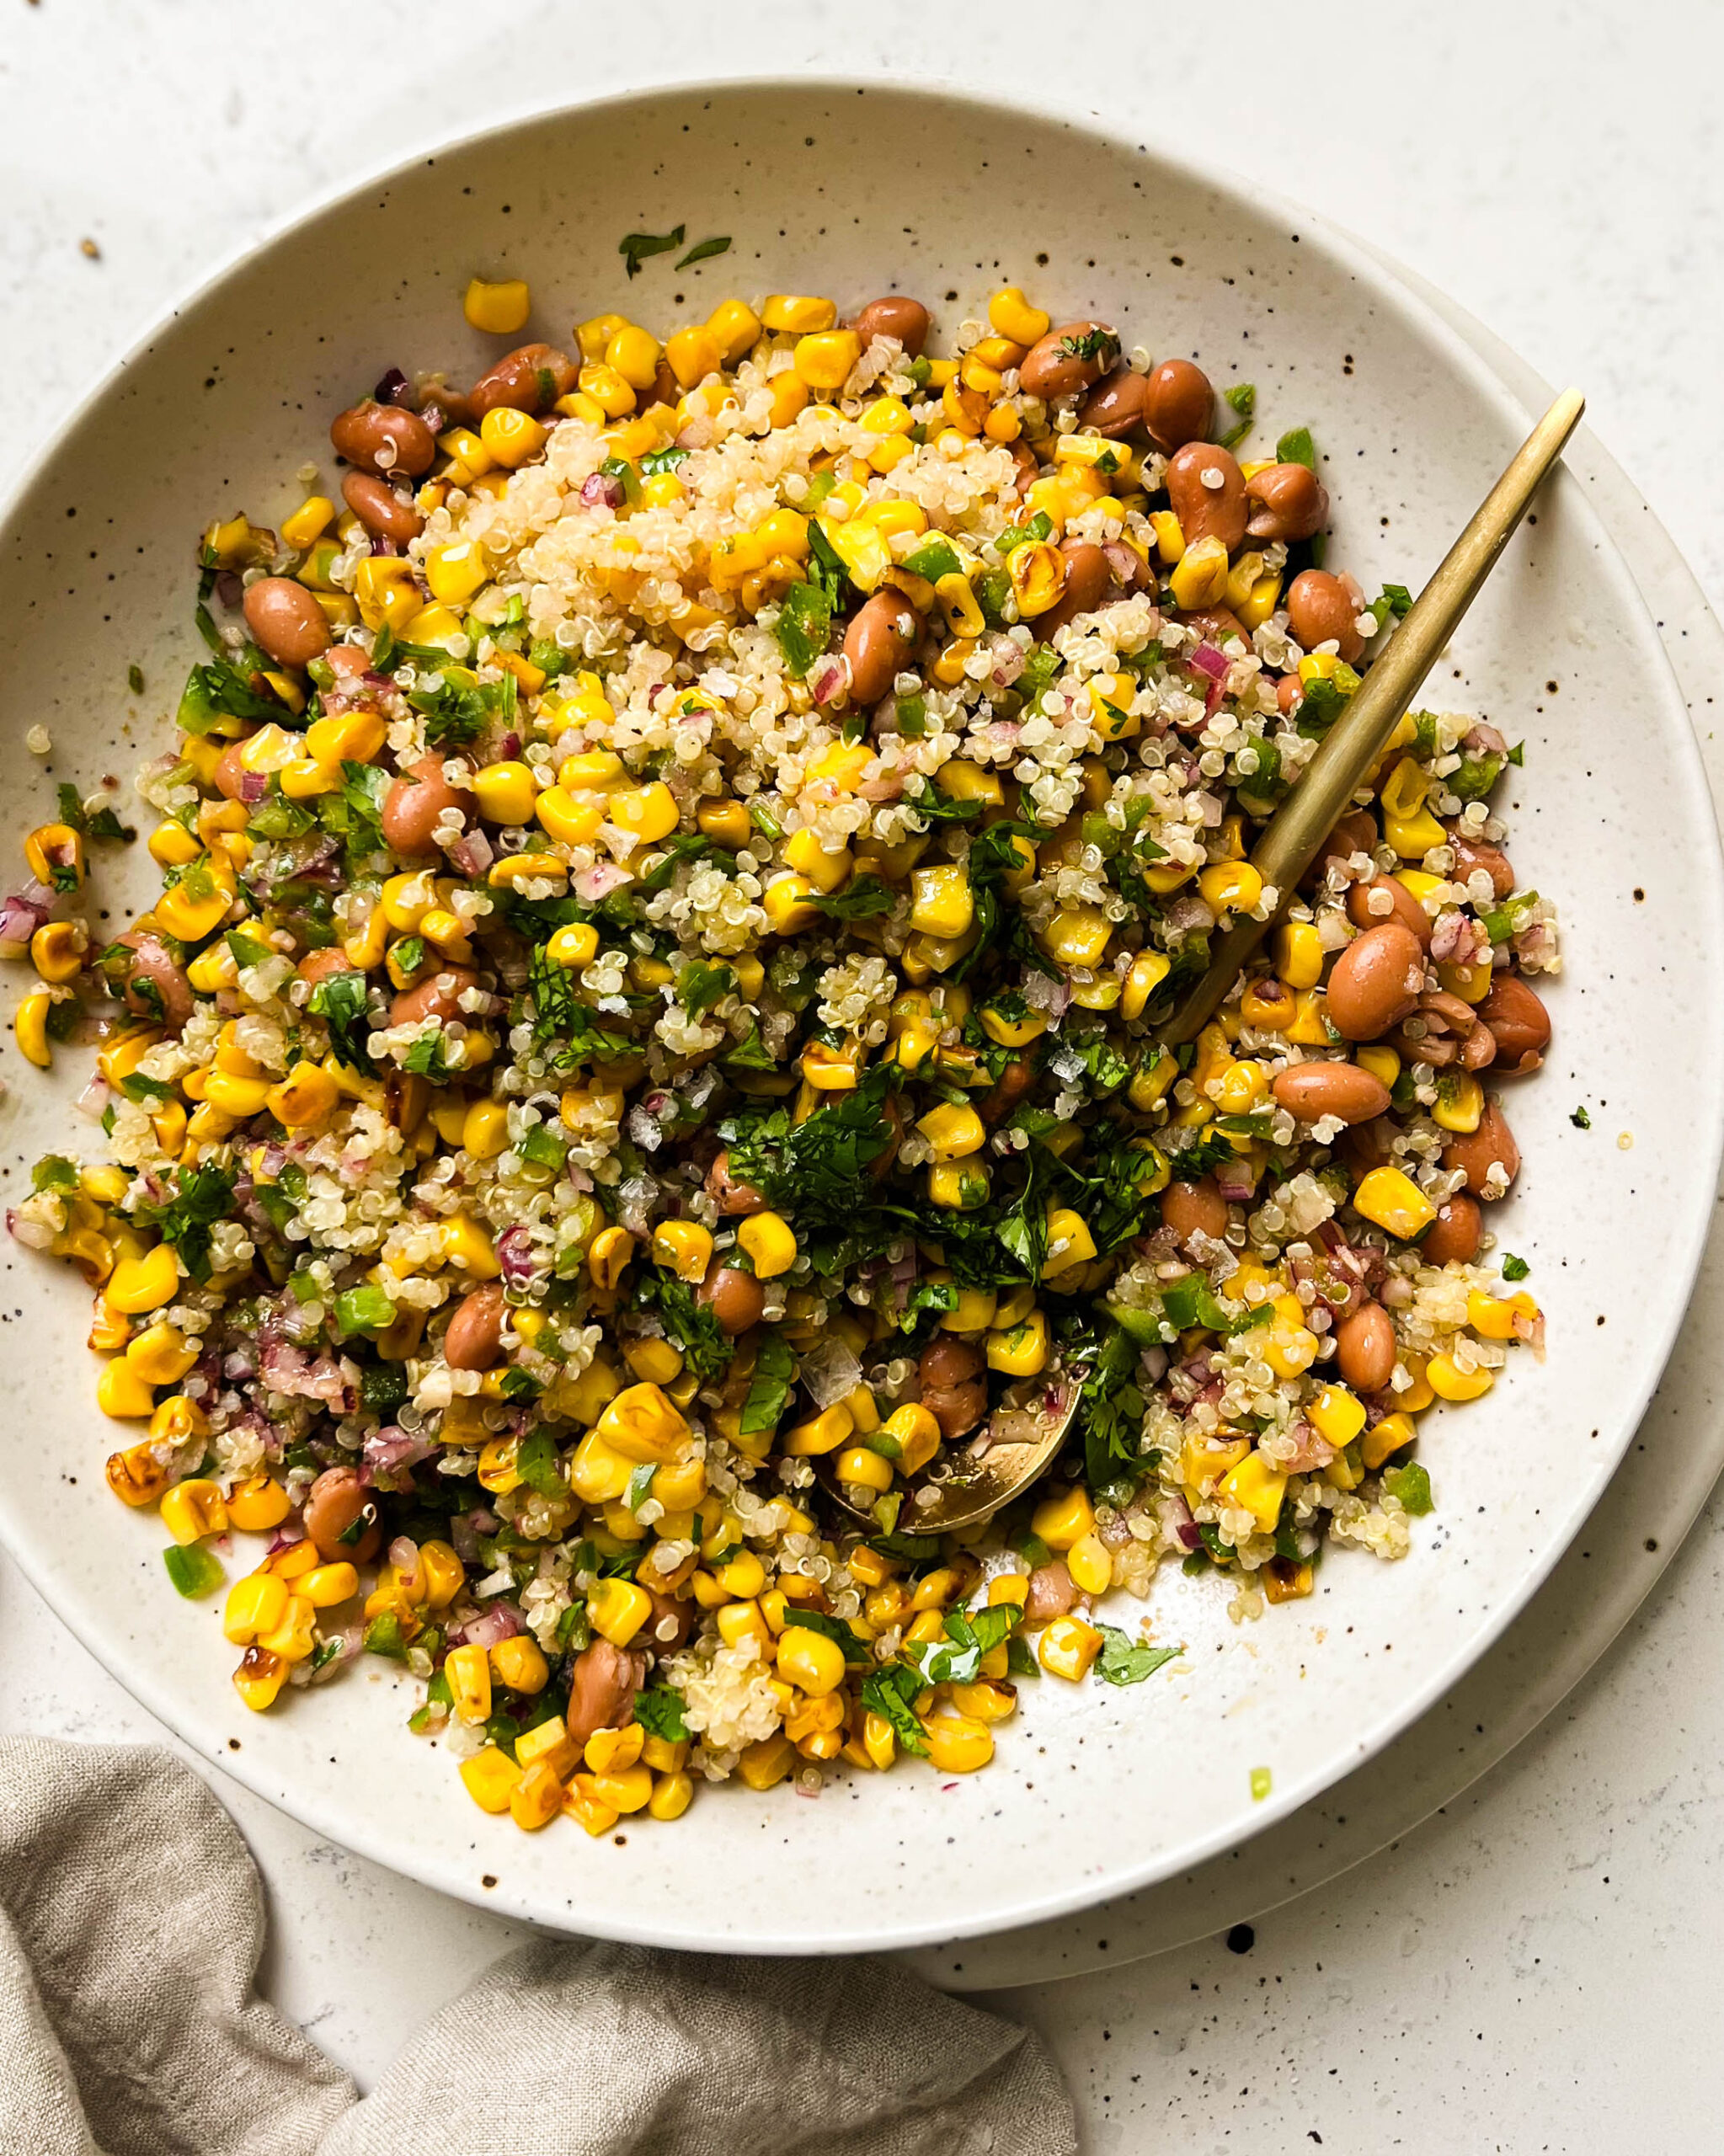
[(1296, 830)]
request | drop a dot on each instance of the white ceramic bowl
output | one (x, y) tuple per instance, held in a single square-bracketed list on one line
[(850, 191)]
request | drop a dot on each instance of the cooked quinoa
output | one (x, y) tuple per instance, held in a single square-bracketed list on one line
[(670, 901)]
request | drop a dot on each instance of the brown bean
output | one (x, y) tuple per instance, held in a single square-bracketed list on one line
[(1216, 625), (1403, 907), (1377, 981), (1088, 579), (419, 797), (727, 1192), (1367, 1145), (529, 379), (319, 965), (155, 987), (1454, 1235), (953, 1382), (1312, 1091), (1477, 1152), (384, 513), (1519, 1023), (231, 773), (334, 1505), (1052, 1592), (1025, 467), (286, 621), (601, 1688), (1008, 1089), (1470, 855), (437, 997), (667, 1608), (1364, 1347), (1292, 503), (1179, 405), (1356, 832), (1115, 405), (1194, 1208), (1067, 359), (1207, 510), (880, 638), (735, 1298), (474, 1339), (898, 315), (1320, 610), (384, 437), (1289, 693), (347, 661)]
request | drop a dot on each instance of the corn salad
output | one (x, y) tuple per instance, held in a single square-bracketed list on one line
[(670, 873)]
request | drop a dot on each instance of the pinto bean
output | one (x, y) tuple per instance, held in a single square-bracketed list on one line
[(1519, 1023), (1443, 1031), (1067, 359), (231, 773), (529, 379), (1206, 490), (1216, 625), (953, 1380), (1008, 1089), (1377, 981), (898, 315), (1192, 1209), (601, 1687), (728, 1193), (384, 437), (319, 965), (735, 1298), (1312, 1091), (1471, 855), (1115, 405), (1366, 1146), (1052, 1592), (474, 1339), (1403, 907), (680, 1613), (380, 508), (1179, 404), (1088, 579), (1364, 1347), (1453, 1237), (1356, 832), (334, 1505), (287, 619), (1025, 465), (880, 640), (437, 997), (155, 987), (419, 797), (1291, 503), (1320, 610), (1477, 1152)]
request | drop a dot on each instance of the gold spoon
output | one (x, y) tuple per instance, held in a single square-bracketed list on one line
[(991, 1471)]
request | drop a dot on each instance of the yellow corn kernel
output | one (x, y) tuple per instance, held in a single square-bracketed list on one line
[(1384, 1439), (259, 1678), (634, 353), (733, 327), (160, 1355), (672, 1795), (810, 1660), (618, 1608), (1240, 1088), (1448, 1381), (327, 1585), (467, 1671), (468, 1244), (1019, 1350), (456, 571), (492, 1778), (866, 1469), (942, 904), (1383, 1063), (255, 1605), (1063, 1518), (1090, 1564), (307, 1095), (785, 902), (958, 1744), (138, 1284), (57, 951), (1299, 954), (235, 1097), (1200, 576), (1068, 1648), (825, 868), (173, 845), (1287, 1346), (1257, 1488), (1336, 1415), (770, 1242), (649, 812), (693, 355), (499, 309), (953, 1130), (1069, 1242), (1395, 1203), (29, 1027), (536, 1798), (1460, 1101), (308, 522), (788, 315), (505, 792), (683, 1248), (484, 1131), (643, 1423), (1231, 886), (1078, 936), (825, 358), (520, 1664), (916, 1432), (824, 1434), (512, 437), (1148, 970), (764, 1765), (384, 588), (194, 1508), (1258, 602), (257, 1504), (1492, 1317), (1011, 314)]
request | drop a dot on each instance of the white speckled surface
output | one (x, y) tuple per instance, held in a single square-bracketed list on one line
[(1503, 1979)]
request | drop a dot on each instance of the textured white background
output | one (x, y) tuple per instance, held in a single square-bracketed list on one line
[(1535, 1970)]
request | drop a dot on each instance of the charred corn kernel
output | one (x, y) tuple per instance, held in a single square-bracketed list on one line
[(810, 1660), (1038, 576), (466, 1243), (194, 1508), (958, 1744), (384, 588), (953, 1131), (618, 1608), (135, 1475), (1448, 1381), (1240, 1088), (137, 1284), (824, 1434), (57, 951), (1336, 1415), (161, 1354), (683, 1248), (1090, 1564), (770, 1243), (1492, 1317), (1069, 1242), (492, 1778), (1068, 1648), (1013, 316), (867, 1469), (512, 437), (1394, 1202), (824, 357), (257, 1504), (1288, 1346), (1065, 1519), (456, 571), (1299, 954), (787, 314), (29, 1027), (958, 603), (1257, 1488), (214, 969), (505, 792), (467, 1671), (307, 1095), (1231, 886), (520, 1664), (1078, 936), (785, 902), (1384, 1439), (259, 1678), (1020, 1350)]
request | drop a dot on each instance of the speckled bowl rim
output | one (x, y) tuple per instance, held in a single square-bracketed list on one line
[(185, 1715)]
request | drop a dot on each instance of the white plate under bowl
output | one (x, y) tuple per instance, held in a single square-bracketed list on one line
[(831, 188)]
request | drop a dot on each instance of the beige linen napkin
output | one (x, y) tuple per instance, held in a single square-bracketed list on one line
[(131, 1919)]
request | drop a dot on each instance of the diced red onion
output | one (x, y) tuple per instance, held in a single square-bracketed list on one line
[(600, 490), (1009, 659), (253, 786), (93, 1100), (392, 389), (598, 881), (1207, 659), (516, 1256), (830, 680), (500, 1621), (472, 853)]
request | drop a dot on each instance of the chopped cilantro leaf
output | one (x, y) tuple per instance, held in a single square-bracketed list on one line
[(658, 1709), (1514, 1268), (634, 247), (1126, 1661)]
